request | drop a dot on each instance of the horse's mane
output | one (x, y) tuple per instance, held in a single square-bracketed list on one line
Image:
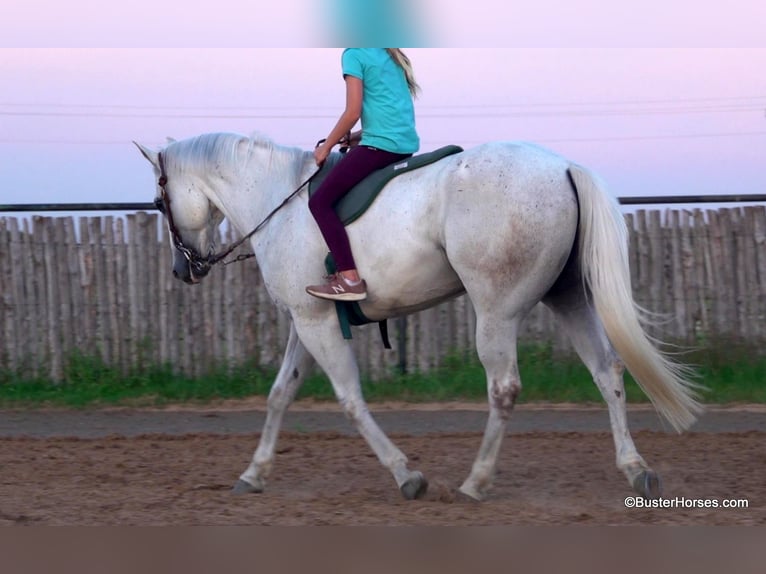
[(201, 151)]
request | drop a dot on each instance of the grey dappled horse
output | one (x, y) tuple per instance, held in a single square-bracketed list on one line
[(510, 224)]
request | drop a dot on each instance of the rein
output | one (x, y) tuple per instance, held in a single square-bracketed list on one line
[(201, 265)]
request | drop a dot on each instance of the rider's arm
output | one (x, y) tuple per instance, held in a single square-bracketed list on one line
[(348, 119)]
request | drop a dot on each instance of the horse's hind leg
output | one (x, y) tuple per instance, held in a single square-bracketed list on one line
[(586, 332), (295, 365), (496, 346)]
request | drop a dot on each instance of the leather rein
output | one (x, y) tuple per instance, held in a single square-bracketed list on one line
[(200, 265)]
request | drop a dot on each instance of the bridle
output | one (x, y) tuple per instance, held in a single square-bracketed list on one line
[(198, 264)]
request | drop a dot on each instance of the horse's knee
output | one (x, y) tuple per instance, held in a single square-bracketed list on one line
[(503, 395), (353, 409), (278, 398)]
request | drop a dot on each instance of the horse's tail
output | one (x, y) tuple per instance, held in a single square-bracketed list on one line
[(603, 248)]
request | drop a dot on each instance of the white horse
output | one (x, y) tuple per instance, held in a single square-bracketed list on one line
[(510, 224)]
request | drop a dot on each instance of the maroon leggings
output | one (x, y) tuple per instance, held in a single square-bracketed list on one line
[(358, 164)]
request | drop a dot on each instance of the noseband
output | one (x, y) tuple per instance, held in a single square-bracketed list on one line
[(199, 265)]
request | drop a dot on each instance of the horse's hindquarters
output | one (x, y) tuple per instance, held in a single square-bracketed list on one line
[(510, 222), (502, 216)]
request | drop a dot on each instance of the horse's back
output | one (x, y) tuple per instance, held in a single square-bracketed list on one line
[(513, 176), (498, 212)]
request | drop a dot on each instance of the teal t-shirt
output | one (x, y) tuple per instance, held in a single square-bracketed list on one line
[(388, 114)]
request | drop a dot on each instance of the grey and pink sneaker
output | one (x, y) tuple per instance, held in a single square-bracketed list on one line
[(337, 288)]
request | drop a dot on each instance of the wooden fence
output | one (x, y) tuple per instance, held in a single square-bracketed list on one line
[(102, 286)]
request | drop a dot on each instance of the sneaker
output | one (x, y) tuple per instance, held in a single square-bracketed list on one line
[(337, 288)]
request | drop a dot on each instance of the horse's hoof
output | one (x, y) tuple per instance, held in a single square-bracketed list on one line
[(466, 493), (647, 484), (244, 487), (415, 487), (464, 497)]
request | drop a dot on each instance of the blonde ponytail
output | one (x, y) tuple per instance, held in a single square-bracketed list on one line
[(404, 63)]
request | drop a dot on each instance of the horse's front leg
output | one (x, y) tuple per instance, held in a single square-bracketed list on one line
[(295, 365), (336, 357)]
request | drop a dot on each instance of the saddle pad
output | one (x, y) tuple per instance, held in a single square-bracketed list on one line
[(361, 196)]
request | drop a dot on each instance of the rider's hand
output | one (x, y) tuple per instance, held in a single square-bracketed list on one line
[(351, 139), (321, 152)]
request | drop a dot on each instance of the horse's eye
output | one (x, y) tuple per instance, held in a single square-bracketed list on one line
[(159, 205)]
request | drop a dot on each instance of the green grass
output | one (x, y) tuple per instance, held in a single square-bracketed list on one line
[(732, 374)]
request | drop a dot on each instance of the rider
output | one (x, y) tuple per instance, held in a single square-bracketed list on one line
[(380, 86)]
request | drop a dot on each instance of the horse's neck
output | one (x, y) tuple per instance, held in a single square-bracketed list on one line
[(271, 177)]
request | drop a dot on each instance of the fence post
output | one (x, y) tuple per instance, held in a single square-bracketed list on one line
[(102, 292)]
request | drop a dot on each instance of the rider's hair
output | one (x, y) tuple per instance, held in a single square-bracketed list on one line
[(404, 62)]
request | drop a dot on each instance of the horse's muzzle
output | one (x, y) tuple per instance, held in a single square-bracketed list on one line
[(190, 272)]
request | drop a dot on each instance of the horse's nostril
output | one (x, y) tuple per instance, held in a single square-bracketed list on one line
[(175, 273)]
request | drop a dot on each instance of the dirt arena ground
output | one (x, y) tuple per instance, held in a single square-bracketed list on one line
[(176, 466)]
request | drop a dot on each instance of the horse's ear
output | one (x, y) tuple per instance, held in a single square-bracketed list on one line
[(170, 140), (149, 154)]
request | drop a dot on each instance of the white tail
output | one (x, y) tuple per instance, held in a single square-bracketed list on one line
[(604, 263)]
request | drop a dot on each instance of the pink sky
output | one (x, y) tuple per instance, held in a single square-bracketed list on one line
[(305, 23), (649, 121)]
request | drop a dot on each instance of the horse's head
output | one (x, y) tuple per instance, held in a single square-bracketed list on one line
[(191, 217)]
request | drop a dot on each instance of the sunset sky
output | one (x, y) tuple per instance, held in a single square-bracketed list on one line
[(651, 117)]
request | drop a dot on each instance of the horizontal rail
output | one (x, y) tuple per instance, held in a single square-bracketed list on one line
[(661, 199), (26, 207), (637, 200)]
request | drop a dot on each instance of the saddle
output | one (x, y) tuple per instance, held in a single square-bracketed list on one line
[(354, 204)]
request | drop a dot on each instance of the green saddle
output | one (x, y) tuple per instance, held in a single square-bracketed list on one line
[(361, 196), (353, 205)]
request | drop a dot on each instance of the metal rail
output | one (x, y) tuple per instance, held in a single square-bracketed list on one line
[(637, 200)]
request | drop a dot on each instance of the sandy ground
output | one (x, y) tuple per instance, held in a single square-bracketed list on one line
[(175, 466)]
